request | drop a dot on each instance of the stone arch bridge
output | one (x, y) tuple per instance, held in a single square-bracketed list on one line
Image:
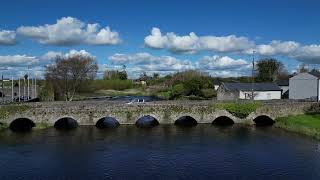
[(166, 112)]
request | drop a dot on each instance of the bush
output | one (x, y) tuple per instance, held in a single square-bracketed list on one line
[(177, 91), (46, 94), (115, 84), (193, 87), (240, 110), (208, 93)]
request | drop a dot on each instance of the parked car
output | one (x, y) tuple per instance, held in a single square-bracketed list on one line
[(136, 100), (22, 98)]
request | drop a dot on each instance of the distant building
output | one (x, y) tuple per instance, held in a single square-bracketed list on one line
[(284, 85), (216, 84), (261, 91), (304, 86)]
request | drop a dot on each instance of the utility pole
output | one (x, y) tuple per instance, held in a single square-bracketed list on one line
[(24, 88), (19, 90), (35, 86), (12, 88), (28, 83), (2, 92), (252, 76)]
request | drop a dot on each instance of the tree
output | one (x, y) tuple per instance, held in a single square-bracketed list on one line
[(68, 74), (269, 70), (303, 68), (156, 75)]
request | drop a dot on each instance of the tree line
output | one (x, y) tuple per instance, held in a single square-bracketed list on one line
[(70, 75)]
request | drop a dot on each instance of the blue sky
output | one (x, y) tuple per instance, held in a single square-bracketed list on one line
[(223, 34)]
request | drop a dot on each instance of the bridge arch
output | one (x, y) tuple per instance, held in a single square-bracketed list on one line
[(223, 121), (66, 123), (263, 120), (186, 121), (147, 121), (21, 124), (107, 122)]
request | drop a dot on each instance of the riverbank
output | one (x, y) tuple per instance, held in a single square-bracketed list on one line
[(307, 124)]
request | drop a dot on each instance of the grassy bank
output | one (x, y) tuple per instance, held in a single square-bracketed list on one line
[(308, 124)]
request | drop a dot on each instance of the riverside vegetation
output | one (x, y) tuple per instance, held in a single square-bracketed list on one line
[(308, 123)]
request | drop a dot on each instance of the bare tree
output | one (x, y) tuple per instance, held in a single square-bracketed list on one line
[(68, 74)]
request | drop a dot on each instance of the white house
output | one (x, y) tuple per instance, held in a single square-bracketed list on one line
[(261, 91), (304, 86)]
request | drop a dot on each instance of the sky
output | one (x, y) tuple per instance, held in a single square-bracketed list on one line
[(217, 37)]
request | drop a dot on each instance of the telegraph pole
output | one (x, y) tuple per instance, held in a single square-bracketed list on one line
[(19, 90), (35, 86), (28, 83), (252, 76), (2, 93), (12, 88)]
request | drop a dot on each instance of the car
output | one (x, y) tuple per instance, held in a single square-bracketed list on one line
[(136, 100), (22, 98)]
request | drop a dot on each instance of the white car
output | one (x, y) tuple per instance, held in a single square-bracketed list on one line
[(136, 101)]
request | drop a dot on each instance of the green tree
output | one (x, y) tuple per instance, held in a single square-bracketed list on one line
[(269, 70), (177, 91)]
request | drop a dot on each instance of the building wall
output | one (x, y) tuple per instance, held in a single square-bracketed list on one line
[(260, 95), (284, 89), (303, 88), (223, 95)]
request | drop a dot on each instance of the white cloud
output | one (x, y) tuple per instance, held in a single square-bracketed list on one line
[(148, 62), (227, 44), (7, 37), (51, 55), (215, 65), (71, 31), (18, 60), (222, 63), (192, 43), (308, 54)]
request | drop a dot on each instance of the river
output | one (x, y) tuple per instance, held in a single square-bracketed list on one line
[(163, 152)]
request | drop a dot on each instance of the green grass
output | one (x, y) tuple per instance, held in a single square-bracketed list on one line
[(240, 110), (308, 124)]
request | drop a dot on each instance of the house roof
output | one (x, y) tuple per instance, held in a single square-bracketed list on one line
[(304, 76), (248, 86), (216, 82), (282, 82)]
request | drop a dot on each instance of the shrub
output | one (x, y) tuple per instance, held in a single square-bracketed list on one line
[(115, 84), (193, 87), (177, 91), (240, 110), (208, 93)]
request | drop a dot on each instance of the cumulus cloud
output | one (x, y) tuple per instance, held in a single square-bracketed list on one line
[(215, 65), (222, 63), (147, 62), (70, 31), (192, 43), (304, 53), (228, 44), (7, 37), (18, 60), (53, 54)]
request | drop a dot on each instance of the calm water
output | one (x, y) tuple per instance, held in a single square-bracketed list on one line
[(164, 152)]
